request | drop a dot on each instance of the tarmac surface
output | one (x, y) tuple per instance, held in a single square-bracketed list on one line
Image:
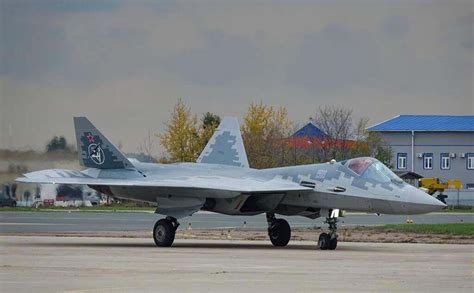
[(53, 222), (50, 264)]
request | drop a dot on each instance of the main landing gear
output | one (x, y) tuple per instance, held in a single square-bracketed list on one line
[(329, 240), (164, 231), (279, 230)]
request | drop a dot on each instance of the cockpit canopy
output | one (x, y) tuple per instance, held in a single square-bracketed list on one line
[(370, 168)]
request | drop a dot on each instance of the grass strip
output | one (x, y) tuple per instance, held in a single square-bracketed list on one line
[(450, 228)]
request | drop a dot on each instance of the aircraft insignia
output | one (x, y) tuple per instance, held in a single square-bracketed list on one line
[(90, 137), (96, 153)]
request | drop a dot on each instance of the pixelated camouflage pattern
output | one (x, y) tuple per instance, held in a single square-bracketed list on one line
[(90, 140), (226, 146)]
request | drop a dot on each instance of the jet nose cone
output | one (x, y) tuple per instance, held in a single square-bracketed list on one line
[(421, 202), (434, 202)]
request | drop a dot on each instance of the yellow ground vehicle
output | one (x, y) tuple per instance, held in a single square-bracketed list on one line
[(432, 185)]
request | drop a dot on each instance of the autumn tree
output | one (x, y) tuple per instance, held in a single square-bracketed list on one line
[(181, 137), (263, 130), (184, 139)]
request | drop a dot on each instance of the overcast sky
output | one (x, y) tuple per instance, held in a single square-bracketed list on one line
[(124, 63)]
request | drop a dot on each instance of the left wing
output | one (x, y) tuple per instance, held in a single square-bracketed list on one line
[(230, 186)]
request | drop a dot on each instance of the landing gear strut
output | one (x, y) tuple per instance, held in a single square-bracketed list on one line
[(279, 230), (329, 240), (164, 231)]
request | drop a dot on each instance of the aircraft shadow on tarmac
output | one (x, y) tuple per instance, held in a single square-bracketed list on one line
[(208, 245)]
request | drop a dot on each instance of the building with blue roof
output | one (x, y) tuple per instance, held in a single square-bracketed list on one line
[(439, 146), (426, 123), (310, 130)]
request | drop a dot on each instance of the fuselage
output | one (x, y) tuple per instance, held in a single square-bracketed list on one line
[(333, 185)]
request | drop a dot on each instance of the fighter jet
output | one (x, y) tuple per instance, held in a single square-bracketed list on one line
[(221, 181)]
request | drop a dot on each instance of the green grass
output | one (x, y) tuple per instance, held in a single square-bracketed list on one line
[(460, 209), (451, 228)]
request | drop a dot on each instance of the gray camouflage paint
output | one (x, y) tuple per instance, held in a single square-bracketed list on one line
[(226, 146), (92, 145), (222, 182)]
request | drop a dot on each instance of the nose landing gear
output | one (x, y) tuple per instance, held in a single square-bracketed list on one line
[(165, 231), (279, 230), (329, 240)]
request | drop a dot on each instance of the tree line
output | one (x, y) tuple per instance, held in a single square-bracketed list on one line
[(266, 132)]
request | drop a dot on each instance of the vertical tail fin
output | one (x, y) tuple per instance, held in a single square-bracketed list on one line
[(225, 146), (95, 150)]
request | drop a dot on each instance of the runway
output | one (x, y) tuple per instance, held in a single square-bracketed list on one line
[(48, 264), (52, 222)]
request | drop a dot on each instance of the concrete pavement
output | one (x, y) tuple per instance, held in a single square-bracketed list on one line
[(46, 264)]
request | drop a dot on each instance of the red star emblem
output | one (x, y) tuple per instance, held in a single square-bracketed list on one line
[(90, 137)]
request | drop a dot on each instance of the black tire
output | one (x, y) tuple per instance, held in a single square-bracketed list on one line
[(332, 243), (323, 241), (14, 204), (164, 233), (280, 233)]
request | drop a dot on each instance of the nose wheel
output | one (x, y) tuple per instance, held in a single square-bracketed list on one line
[(328, 241), (165, 231), (279, 230)]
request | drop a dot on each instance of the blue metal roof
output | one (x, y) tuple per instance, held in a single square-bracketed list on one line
[(426, 123), (310, 129)]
